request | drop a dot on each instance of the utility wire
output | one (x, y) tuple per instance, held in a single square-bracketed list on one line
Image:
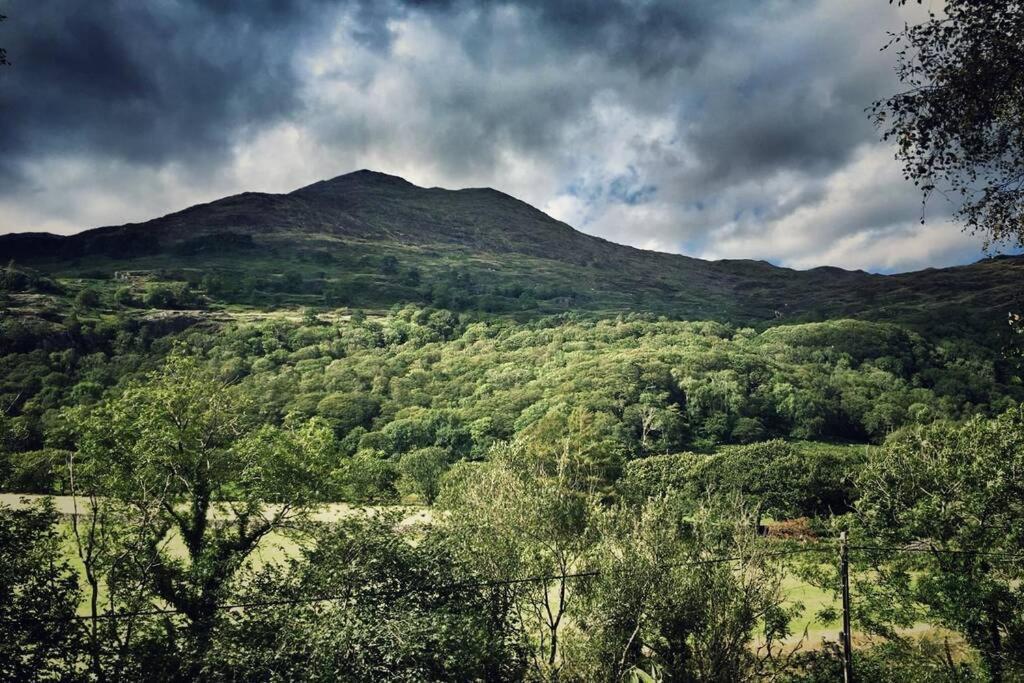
[(440, 589), (345, 596), (465, 585)]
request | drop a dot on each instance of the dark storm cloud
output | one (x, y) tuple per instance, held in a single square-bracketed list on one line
[(767, 116), (161, 81), (799, 104), (649, 38), (643, 48), (147, 82)]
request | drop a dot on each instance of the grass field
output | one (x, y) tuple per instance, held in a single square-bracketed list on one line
[(813, 599)]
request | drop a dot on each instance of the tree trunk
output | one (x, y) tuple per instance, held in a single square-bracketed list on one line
[(994, 651), (94, 635), (201, 633)]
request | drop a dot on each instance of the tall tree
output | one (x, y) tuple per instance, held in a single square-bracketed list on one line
[(181, 453), (959, 122), (660, 605), (519, 517)]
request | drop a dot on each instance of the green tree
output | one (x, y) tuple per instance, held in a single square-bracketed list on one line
[(768, 475), (957, 492), (421, 472), (159, 296), (181, 454), (368, 477), (659, 605), (116, 559), (346, 411), (39, 637), (657, 423), (516, 517), (396, 616), (310, 317), (87, 298), (587, 443)]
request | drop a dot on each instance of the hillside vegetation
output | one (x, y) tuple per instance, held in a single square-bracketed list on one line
[(372, 240), (424, 378), (622, 463)]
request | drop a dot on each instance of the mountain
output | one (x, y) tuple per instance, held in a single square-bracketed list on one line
[(364, 205), (372, 239)]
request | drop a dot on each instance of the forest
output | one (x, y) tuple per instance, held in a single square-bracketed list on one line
[(424, 494)]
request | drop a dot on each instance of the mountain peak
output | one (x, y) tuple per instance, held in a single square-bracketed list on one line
[(361, 178)]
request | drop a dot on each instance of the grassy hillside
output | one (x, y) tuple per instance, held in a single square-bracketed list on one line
[(371, 240)]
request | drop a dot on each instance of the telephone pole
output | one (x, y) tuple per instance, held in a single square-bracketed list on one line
[(844, 575)]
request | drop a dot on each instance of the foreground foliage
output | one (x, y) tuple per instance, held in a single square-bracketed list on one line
[(531, 570), (38, 595), (607, 500), (956, 494)]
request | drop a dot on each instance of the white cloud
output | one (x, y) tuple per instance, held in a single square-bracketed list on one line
[(867, 216)]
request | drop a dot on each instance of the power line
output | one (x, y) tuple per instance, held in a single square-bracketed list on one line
[(467, 585), (345, 596), (464, 585)]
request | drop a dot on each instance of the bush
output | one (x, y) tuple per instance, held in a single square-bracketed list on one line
[(907, 661), (34, 471), (784, 479), (177, 295), (654, 476), (397, 623), (367, 477), (124, 297), (87, 298), (159, 296)]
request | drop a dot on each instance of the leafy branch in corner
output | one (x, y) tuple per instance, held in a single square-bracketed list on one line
[(957, 122)]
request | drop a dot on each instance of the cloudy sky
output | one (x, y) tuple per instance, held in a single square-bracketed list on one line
[(715, 128)]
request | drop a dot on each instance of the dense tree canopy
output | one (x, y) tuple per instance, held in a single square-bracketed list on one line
[(614, 390)]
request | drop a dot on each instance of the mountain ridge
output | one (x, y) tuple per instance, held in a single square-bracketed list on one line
[(306, 191), (348, 229)]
